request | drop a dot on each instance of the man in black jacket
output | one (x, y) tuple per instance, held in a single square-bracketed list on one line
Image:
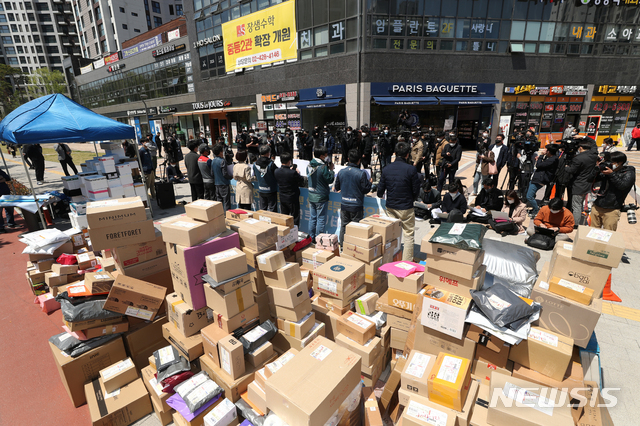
[(289, 183), (489, 198), (367, 144), (401, 182), (617, 181), (451, 154), (582, 170), (500, 152), (307, 146), (386, 146), (546, 167), (193, 171), (349, 141)]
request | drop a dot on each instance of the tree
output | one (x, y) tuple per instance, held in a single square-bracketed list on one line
[(11, 95), (44, 81)]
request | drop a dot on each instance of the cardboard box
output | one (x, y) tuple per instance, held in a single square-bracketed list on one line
[(449, 381), (366, 304), (461, 418), (258, 284), (433, 342), (53, 280), (189, 347), (571, 290), (117, 212), (344, 303), (443, 251), (274, 218), (398, 338), (454, 284), (545, 352), (489, 348), (94, 323), (366, 243), (356, 327), (481, 371), (204, 210), (426, 413), (131, 403), (339, 277), (224, 414), (289, 297), (164, 417), (588, 274), (132, 254), (372, 415), (573, 377), (392, 384), (262, 300), (410, 284), (226, 264), (397, 322), (271, 368), (257, 235), (188, 265), (108, 264), (143, 339), (284, 277), (98, 282), (271, 261), (211, 335), (118, 375), (598, 246), (445, 311), (362, 253), (231, 356), (75, 372), (44, 265), (292, 314), (297, 329), (186, 232), (369, 352), (564, 316), (243, 319), (158, 398), (229, 304), (310, 388), (104, 330), (388, 228), (359, 230), (454, 268), (252, 255), (258, 357), (536, 411), (313, 258), (239, 214), (64, 269), (86, 260), (284, 342), (179, 420), (122, 235), (140, 299), (231, 285), (155, 271), (186, 319), (402, 299), (257, 396), (415, 375)]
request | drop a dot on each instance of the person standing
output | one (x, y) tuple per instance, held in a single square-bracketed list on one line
[(153, 150), (253, 145), (289, 183), (34, 152), (617, 182), (546, 167), (221, 177), (500, 152), (401, 183), (193, 171), (263, 170), (582, 170), (8, 211), (147, 168), (635, 138), (64, 156), (158, 141), (437, 154), (349, 141), (386, 145), (243, 177), (307, 145), (208, 180), (320, 175), (451, 154), (328, 141), (353, 184), (417, 153), (367, 147)]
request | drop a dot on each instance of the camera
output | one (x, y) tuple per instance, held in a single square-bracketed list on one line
[(605, 165), (631, 213), (569, 146)]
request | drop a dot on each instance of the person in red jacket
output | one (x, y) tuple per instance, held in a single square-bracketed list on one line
[(555, 217), (635, 138)]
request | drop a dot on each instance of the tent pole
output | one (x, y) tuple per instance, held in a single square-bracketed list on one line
[(35, 198), (144, 176), (94, 147)]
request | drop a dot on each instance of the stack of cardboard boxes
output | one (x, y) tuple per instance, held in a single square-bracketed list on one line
[(328, 242), (363, 244), (390, 230)]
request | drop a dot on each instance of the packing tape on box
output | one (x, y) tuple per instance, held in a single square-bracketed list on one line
[(174, 304), (292, 329), (360, 307), (220, 320), (239, 299)]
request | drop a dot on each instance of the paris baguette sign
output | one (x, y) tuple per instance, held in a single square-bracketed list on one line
[(447, 89)]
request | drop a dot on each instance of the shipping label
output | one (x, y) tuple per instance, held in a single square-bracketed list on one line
[(544, 337), (359, 321), (321, 353), (222, 255), (418, 365), (498, 303), (203, 203), (528, 398), (426, 414), (450, 369), (457, 229), (139, 313), (166, 355), (116, 369), (277, 364), (225, 360), (328, 287), (182, 224), (255, 334), (599, 235), (572, 286)]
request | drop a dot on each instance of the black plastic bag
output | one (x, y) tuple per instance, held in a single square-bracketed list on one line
[(178, 367), (256, 337), (465, 236), (500, 305), (83, 310), (165, 357), (64, 341)]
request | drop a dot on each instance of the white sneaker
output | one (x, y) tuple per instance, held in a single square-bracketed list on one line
[(40, 182)]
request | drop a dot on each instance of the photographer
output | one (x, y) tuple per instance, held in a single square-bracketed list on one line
[(617, 180), (546, 167), (581, 171), (289, 183), (385, 146), (451, 155)]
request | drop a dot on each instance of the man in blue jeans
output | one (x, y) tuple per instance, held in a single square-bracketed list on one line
[(353, 184), (320, 175), (546, 167)]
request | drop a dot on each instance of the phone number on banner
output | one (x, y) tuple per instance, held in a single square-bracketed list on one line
[(258, 58)]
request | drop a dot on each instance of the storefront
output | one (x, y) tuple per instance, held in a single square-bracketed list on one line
[(467, 107), (323, 106), (547, 110), (613, 111), (280, 111)]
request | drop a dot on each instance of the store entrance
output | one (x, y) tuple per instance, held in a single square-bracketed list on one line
[(471, 122)]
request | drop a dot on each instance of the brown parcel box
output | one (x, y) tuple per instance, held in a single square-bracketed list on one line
[(289, 297), (571, 290), (489, 348), (402, 299), (313, 258), (372, 416), (231, 354), (361, 253), (295, 314), (357, 327), (257, 235), (433, 342), (226, 264), (132, 254), (271, 368), (260, 355), (297, 329), (284, 277), (369, 352), (86, 260), (388, 228), (427, 413), (573, 377), (480, 408), (158, 398), (115, 212), (455, 269), (230, 304), (456, 285), (536, 411), (310, 388), (271, 261), (98, 282), (482, 371), (255, 394), (443, 251), (64, 269), (598, 246), (564, 316), (284, 342), (189, 347), (462, 418), (366, 304), (366, 243), (347, 302), (544, 351), (248, 316), (359, 230), (211, 335), (411, 284), (204, 210), (140, 299), (130, 404), (187, 320), (578, 271), (142, 340), (75, 372), (184, 231), (339, 277), (415, 375), (398, 338), (117, 375), (122, 235), (274, 218)]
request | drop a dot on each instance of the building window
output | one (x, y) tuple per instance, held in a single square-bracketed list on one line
[(105, 48), (101, 29), (7, 5), (148, 22), (98, 13), (14, 27), (179, 11), (135, 30), (12, 60), (16, 38), (157, 21), (90, 17), (3, 17), (36, 39), (4, 29), (23, 60), (20, 49), (31, 17), (155, 6), (49, 39), (134, 14), (96, 47), (10, 50), (44, 18), (11, 17), (125, 27), (93, 32), (52, 49), (122, 10), (34, 27), (27, 5), (40, 7), (170, 9), (39, 49)]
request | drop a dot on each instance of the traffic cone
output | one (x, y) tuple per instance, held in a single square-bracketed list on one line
[(553, 193), (609, 295)]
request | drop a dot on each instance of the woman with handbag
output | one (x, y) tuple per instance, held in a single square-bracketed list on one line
[(517, 211)]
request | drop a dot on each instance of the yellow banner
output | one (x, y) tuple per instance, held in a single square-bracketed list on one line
[(261, 38)]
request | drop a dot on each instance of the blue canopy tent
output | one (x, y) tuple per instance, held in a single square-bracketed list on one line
[(58, 119)]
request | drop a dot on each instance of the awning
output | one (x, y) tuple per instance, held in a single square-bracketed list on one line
[(468, 100), (405, 100), (203, 111), (320, 103)]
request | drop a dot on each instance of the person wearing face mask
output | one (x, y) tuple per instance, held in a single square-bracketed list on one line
[(367, 147), (454, 200), (327, 141), (546, 167), (489, 198), (555, 217), (500, 152), (485, 159), (348, 142), (417, 152), (320, 175), (617, 182), (451, 155), (253, 145), (353, 184), (385, 146), (437, 154), (517, 211), (609, 145), (581, 172)]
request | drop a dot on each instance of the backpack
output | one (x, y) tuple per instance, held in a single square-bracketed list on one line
[(542, 242)]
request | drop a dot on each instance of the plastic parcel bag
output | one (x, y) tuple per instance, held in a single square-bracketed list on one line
[(511, 265), (500, 305), (164, 357), (465, 236), (198, 390)]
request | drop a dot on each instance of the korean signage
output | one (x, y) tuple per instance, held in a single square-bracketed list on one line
[(431, 89), (88, 68), (116, 67), (217, 103), (142, 47), (533, 90), (167, 110), (98, 64), (168, 49), (260, 38), (172, 35), (604, 89), (280, 97), (112, 58)]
